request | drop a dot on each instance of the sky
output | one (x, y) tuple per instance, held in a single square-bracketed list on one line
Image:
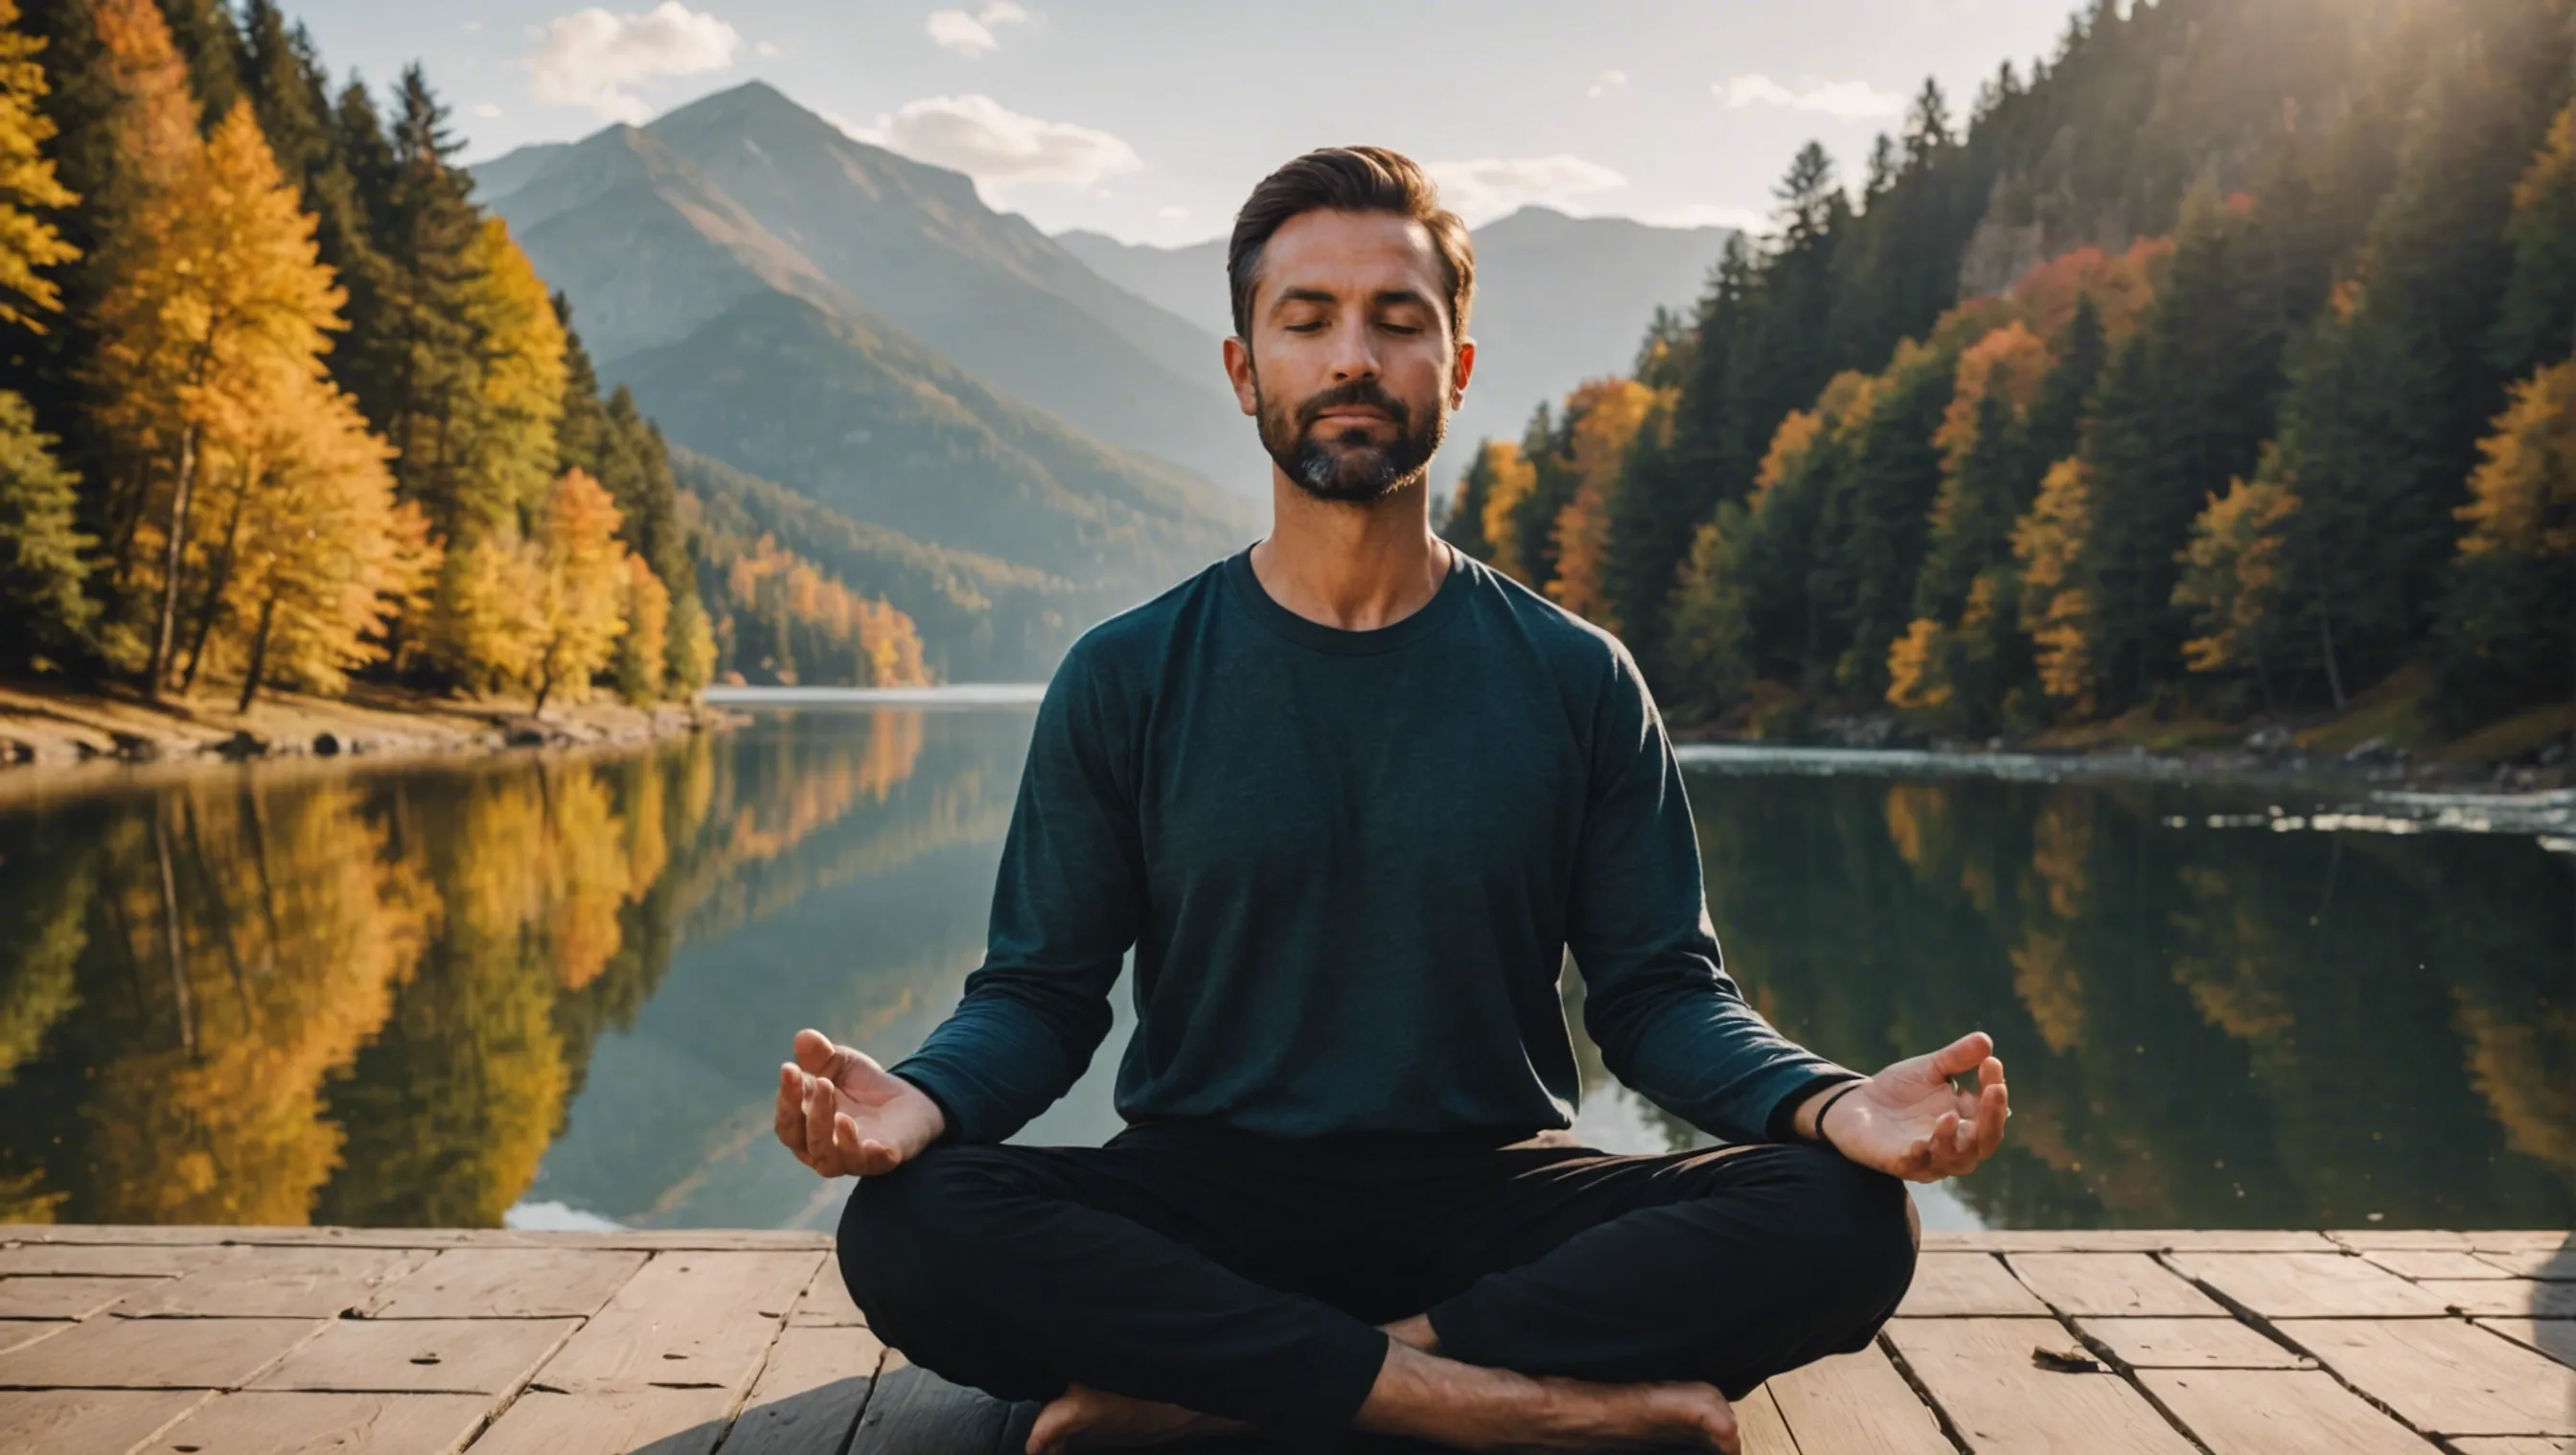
[(1150, 119)]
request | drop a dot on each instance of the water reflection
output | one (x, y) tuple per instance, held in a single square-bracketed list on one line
[(433, 995)]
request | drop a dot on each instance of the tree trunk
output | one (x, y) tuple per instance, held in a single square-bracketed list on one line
[(216, 581), (258, 653), (179, 493), (175, 941), (2334, 677)]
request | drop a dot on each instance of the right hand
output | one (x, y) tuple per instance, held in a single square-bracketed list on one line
[(842, 1114)]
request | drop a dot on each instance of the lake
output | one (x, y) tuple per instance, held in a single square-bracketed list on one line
[(554, 990)]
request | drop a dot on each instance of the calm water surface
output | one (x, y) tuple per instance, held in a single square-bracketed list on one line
[(554, 991)]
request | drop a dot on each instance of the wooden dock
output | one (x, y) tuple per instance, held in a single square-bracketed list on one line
[(256, 1341)]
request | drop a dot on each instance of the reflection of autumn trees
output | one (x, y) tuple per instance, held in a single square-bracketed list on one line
[(358, 998), (2204, 1027)]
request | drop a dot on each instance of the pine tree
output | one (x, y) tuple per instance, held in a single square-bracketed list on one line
[(1603, 420), (2504, 636), (2537, 322), (1464, 527), (1513, 483), (503, 439), (2231, 576), (429, 233), (43, 554), (206, 38)]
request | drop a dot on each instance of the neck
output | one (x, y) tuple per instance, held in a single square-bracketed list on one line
[(1356, 567)]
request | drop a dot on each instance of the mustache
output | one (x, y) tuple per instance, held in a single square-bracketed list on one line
[(1343, 396)]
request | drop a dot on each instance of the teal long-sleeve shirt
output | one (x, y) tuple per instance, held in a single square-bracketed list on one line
[(1350, 864)]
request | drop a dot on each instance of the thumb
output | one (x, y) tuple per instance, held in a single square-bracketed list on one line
[(815, 1053), (1963, 1055)]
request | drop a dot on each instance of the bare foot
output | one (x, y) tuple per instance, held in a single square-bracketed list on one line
[(1086, 1419), (1582, 1416)]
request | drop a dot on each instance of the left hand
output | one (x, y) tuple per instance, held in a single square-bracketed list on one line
[(1910, 1121)]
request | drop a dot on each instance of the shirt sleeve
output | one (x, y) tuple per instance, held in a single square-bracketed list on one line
[(1067, 904), (1670, 1022)]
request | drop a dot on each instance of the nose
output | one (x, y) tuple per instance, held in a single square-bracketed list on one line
[(1354, 352)]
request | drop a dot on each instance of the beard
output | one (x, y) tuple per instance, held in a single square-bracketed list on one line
[(1348, 467)]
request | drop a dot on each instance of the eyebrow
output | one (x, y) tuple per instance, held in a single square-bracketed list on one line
[(1382, 297)]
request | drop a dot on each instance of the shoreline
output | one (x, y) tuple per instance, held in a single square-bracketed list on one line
[(56, 732)]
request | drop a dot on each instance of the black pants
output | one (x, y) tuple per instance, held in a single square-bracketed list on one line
[(1241, 1277)]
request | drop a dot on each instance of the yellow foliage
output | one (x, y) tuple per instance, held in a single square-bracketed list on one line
[(766, 583), (1514, 478), (2054, 610), (581, 605), (2522, 497), (2232, 568), (1607, 414), (2010, 361), (509, 450), (28, 243), (643, 650)]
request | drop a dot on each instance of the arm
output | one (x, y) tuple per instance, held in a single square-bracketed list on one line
[(1066, 905), (1671, 1023)]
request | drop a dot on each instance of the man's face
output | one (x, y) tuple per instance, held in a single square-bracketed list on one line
[(1352, 367)]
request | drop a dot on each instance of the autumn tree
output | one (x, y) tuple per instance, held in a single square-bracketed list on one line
[(43, 552), (1510, 483), (2505, 627), (2231, 577)]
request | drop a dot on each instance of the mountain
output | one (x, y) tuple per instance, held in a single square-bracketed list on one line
[(980, 618), (1559, 300), (911, 241), (748, 349)]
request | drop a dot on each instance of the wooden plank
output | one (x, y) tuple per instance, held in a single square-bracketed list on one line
[(826, 1304), (2557, 1265), (2515, 1445), (2110, 1284), (2444, 1376), (1979, 1372), (2436, 1263), (69, 1297), (1953, 1285), (641, 1239), (271, 1423), (87, 1421), (915, 1412), (419, 1356), (18, 1333), (2553, 1337), (2220, 1343), (313, 1283), (107, 1261), (2128, 1240), (2278, 1412), (686, 1319), (1856, 1404), (1759, 1429), (2532, 1241), (2505, 1296), (152, 1353), (2366, 1240), (2307, 1285), (809, 1396), (511, 1283), (610, 1422)]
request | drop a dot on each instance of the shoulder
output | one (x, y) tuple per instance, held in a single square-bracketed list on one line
[(1582, 657), (1125, 653)]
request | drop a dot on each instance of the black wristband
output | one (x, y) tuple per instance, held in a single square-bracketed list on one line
[(1822, 1107)]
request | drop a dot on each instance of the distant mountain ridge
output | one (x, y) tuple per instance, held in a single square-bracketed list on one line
[(1559, 299), (740, 263)]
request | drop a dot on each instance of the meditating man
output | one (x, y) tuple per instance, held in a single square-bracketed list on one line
[(1351, 796)]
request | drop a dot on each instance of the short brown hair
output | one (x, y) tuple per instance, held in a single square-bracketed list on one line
[(1348, 179)]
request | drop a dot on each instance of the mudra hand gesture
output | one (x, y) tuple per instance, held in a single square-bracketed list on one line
[(1910, 1121), (843, 1115)]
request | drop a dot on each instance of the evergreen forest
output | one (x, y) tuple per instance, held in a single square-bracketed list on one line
[(281, 406), (2216, 368)]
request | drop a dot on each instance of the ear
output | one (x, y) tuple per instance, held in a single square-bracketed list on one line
[(1461, 371), (1238, 372)]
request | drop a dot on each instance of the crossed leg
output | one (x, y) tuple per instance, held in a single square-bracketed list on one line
[(1537, 1295)]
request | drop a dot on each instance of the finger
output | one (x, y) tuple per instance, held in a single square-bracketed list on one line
[(847, 1144), (791, 1110), (1962, 1054), (819, 1111), (1994, 1107)]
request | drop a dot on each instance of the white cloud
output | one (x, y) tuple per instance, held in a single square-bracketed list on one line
[(972, 35), (1710, 214), (997, 146), (1842, 100), (1607, 81), (1488, 187), (595, 59), (1172, 212), (487, 110), (764, 50)]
